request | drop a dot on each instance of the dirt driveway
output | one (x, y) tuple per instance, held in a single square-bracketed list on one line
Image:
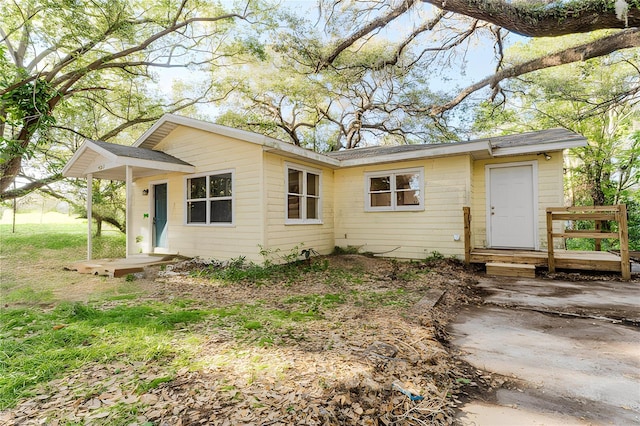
[(568, 352)]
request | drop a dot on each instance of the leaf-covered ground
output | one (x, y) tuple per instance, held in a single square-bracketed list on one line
[(346, 340)]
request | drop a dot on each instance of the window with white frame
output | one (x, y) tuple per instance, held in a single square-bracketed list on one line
[(303, 195), (210, 199), (395, 190)]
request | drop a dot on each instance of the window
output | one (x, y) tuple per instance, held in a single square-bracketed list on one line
[(210, 199), (395, 190), (303, 195)]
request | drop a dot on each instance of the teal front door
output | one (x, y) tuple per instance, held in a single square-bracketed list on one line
[(160, 215)]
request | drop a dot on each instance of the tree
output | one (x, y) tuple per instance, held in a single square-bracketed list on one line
[(373, 96), (532, 18), (99, 56)]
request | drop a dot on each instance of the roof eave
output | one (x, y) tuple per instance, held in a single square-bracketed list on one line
[(446, 150), (293, 151), (546, 147)]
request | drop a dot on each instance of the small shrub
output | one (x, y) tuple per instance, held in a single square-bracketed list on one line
[(346, 250), (434, 256)]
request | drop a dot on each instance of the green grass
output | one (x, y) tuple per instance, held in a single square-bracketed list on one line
[(69, 237), (37, 346)]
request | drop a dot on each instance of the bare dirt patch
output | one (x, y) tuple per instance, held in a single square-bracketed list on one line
[(372, 352)]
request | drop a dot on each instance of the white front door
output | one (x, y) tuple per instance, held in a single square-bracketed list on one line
[(511, 206)]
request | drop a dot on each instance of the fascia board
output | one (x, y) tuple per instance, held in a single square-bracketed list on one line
[(532, 149), (242, 135), (158, 165), (443, 151), (202, 125), (294, 151), (67, 170)]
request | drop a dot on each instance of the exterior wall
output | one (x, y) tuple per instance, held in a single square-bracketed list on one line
[(281, 237), (406, 234), (208, 153), (550, 194)]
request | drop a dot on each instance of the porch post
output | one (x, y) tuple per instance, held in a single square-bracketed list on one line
[(89, 216), (129, 183)]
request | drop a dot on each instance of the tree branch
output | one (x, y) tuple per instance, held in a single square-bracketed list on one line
[(367, 29), (622, 40), (29, 187)]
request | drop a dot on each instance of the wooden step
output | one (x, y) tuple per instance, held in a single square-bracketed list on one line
[(511, 270)]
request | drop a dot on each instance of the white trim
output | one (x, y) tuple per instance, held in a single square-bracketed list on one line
[(129, 209), (534, 194), (234, 133), (207, 199), (303, 193), (152, 209), (392, 174), (539, 148), (443, 150), (89, 216)]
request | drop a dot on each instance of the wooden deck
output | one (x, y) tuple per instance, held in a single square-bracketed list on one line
[(115, 268), (564, 259)]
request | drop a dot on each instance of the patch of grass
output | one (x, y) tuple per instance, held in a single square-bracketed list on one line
[(33, 239), (316, 302), (153, 384), (372, 299), (255, 324), (40, 346), (27, 294)]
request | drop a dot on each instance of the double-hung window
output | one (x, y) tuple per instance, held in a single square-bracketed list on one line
[(395, 190), (303, 195), (210, 199)]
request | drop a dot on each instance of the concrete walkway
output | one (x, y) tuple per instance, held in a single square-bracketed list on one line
[(571, 349)]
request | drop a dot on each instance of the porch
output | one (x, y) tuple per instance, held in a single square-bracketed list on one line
[(564, 259)]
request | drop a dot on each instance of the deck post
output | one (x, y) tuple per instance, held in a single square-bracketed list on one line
[(551, 262), (625, 267), (89, 216), (598, 242), (467, 234)]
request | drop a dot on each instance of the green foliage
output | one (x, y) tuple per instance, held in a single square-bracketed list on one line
[(87, 67), (434, 256), (346, 250), (238, 270)]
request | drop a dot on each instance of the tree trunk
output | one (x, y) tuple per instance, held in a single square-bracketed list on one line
[(545, 18)]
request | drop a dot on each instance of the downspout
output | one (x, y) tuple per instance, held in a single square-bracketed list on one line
[(89, 216)]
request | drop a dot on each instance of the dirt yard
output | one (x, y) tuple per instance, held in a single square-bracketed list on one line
[(375, 353), (364, 343)]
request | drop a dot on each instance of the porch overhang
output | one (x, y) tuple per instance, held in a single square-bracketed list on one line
[(109, 161), (102, 160)]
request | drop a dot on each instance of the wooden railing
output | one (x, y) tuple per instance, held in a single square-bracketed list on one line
[(597, 214)]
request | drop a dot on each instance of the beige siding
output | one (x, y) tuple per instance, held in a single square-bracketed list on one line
[(209, 153), (405, 234), (550, 194), (283, 238)]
